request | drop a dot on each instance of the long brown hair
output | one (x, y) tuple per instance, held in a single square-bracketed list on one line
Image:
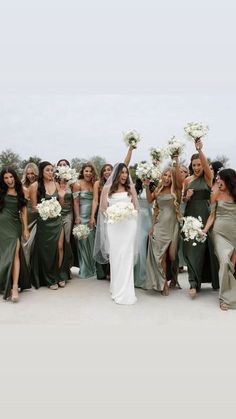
[(94, 173), (115, 184), (102, 180)]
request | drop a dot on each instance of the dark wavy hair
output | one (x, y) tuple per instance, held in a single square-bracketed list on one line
[(115, 184), (67, 162), (102, 180), (229, 177), (18, 187), (41, 187), (94, 173), (139, 186), (216, 166)]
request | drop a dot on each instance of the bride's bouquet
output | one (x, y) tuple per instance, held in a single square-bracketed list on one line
[(156, 155), (195, 130), (148, 171), (119, 212), (192, 230), (66, 173), (174, 147), (131, 138), (81, 231), (49, 208)]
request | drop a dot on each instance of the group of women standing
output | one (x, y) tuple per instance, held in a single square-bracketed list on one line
[(142, 251)]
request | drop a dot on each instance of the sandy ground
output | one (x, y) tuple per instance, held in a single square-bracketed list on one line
[(75, 353)]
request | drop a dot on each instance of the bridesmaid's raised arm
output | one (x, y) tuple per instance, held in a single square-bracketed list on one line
[(206, 167)]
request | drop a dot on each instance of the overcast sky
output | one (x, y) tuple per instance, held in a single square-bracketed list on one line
[(74, 74), (57, 126)]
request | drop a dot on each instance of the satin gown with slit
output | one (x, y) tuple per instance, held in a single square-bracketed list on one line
[(44, 262), (201, 260), (224, 237), (87, 264), (67, 222), (122, 238), (10, 233), (166, 232)]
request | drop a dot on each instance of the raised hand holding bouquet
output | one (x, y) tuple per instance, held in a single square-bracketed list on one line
[(66, 174), (49, 208), (131, 138), (192, 230), (156, 155), (81, 231), (196, 130), (120, 211), (174, 147)]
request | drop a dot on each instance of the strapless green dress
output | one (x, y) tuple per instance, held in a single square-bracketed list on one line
[(201, 260), (85, 246), (10, 232), (44, 262)]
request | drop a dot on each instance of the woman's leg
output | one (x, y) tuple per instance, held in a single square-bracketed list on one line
[(61, 254), (174, 280), (165, 291), (16, 273)]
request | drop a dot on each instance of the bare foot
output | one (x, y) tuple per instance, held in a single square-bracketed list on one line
[(165, 291), (192, 293), (223, 306), (14, 295)]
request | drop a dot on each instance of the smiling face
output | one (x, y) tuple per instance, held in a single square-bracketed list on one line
[(30, 175), (106, 172), (166, 178), (88, 174), (48, 172), (197, 167), (9, 180), (221, 184), (123, 176)]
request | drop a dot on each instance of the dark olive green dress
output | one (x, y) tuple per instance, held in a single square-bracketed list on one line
[(32, 226), (85, 246), (10, 232), (201, 260), (44, 262)]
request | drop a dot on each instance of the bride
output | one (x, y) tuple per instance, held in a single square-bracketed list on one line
[(115, 241)]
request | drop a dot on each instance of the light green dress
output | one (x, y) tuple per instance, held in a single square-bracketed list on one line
[(201, 260), (44, 264), (144, 227), (85, 246), (10, 232), (224, 236), (166, 231)]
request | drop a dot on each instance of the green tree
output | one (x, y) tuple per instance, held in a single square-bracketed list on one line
[(223, 159), (10, 159), (77, 163), (98, 162), (31, 159)]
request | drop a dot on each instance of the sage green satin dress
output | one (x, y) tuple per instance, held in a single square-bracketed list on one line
[(224, 236), (144, 227), (44, 262), (10, 232), (67, 222), (166, 231), (85, 246), (201, 260)]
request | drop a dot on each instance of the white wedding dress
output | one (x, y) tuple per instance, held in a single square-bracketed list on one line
[(122, 237)]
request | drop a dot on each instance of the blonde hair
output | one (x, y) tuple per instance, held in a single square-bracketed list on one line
[(32, 166), (173, 192)]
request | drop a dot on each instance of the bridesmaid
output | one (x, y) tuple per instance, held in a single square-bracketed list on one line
[(30, 175), (13, 216), (215, 166), (163, 242), (184, 173), (69, 208), (83, 195), (103, 270), (201, 261), (223, 219), (144, 227), (49, 265)]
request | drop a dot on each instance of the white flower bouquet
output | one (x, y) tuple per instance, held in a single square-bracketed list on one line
[(174, 147), (195, 130), (131, 138), (192, 230), (66, 173), (119, 212), (148, 171), (49, 208), (156, 155), (81, 231)]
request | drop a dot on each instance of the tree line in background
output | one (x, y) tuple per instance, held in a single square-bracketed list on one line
[(10, 159)]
